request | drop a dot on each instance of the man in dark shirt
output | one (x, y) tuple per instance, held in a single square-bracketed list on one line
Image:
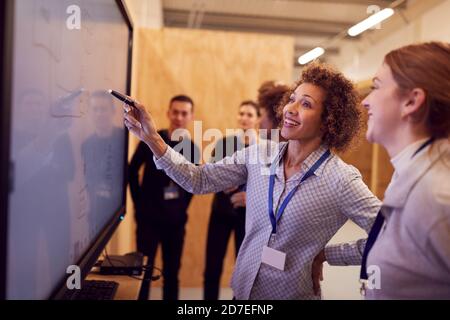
[(160, 204)]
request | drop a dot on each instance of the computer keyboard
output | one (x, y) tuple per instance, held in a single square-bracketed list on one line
[(97, 290)]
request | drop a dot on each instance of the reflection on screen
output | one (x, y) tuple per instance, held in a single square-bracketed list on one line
[(67, 138)]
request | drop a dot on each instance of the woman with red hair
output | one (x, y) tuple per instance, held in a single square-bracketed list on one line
[(407, 255)]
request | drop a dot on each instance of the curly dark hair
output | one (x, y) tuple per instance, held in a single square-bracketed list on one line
[(342, 114), (270, 94)]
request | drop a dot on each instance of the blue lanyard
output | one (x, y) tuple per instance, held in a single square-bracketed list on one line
[(274, 219), (423, 146)]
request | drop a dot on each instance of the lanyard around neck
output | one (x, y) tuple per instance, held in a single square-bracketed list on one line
[(423, 146), (275, 218), (378, 224)]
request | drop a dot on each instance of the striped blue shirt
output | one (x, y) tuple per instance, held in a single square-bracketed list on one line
[(320, 207)]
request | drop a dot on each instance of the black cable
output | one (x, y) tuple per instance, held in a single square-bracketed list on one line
[(143, 268)]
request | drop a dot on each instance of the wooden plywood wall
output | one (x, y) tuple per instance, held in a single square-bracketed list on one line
[(360, 154), (371, 159), (218, 70), (382, 171)]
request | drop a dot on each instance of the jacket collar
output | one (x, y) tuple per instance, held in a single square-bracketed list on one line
[(399, 189)]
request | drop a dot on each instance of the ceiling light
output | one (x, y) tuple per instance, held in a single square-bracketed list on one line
[(311, 55), (370, 21)]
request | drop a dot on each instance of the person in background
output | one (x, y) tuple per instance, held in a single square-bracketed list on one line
[(160, 204), (298, 197), (270, 95), (408, 252), (228, 207)]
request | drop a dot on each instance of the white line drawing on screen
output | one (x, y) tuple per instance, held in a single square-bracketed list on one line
[(73, 21), (77, 248), (45, 35), (84, 202), (69, 106), (89, 32)]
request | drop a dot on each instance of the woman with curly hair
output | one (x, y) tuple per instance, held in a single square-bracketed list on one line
[(270, 95), (297, 198)]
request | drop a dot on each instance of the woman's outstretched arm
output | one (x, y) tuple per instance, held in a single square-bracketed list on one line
[(227, 173)]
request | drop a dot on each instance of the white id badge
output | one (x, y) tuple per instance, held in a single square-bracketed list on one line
[(273, 258), (171, 192)]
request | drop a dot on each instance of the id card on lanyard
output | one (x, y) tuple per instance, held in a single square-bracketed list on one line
[(171, 192), (270, 256)]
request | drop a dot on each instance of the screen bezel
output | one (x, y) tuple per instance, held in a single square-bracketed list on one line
[(89, 258), (6, 47)]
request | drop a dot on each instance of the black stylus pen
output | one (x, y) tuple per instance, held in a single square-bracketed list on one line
[(123, 98)]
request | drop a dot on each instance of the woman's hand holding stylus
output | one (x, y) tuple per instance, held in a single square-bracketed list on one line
[(140, 123)]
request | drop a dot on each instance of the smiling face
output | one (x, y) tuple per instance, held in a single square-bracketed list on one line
[(383, 106), (302, 114)]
